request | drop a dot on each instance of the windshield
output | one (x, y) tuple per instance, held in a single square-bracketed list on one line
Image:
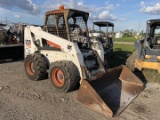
[(77, 26), (157, 31), (78, 29)]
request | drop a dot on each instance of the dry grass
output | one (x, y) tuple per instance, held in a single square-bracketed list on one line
[(151, 75)]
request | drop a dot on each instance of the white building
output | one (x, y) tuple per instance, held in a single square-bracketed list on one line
[(118, 35)]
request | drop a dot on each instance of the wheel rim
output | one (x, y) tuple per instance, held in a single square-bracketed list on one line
[(58, 77), (30, 68)]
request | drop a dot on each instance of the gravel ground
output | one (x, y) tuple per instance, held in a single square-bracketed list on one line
[(22, 99)]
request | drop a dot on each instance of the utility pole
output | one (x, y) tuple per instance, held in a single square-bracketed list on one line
[(6, 20), (139, 26)]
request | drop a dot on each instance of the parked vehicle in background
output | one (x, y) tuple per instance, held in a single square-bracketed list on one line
[(106, 37), (11, 41), (147, 50)]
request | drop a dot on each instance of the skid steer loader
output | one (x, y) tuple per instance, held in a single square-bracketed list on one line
[(105, 38), (65, 52), (147, 50)]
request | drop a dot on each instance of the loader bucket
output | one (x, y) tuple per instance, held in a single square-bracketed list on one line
[(15, 51), (111, 93)]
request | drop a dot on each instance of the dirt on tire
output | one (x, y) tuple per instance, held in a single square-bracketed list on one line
[(39, 67), (70, 75)]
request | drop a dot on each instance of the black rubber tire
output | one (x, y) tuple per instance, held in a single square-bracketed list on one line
[(70, 75), (130, 62), (39, 67)]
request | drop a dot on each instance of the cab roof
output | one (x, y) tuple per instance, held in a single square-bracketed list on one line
[(154, 21), (70, 12), (66, 10), (103, 24)]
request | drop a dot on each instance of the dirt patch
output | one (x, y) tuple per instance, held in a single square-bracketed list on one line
[(140, 108)]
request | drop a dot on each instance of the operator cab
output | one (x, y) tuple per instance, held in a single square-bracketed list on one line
[(69, 24), (153, 34)]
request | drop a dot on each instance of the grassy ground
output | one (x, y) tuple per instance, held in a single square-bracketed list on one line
[(121, 53), (125, 39), (151, 75)]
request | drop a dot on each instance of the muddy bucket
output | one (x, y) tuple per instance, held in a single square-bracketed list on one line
[(112, 93)]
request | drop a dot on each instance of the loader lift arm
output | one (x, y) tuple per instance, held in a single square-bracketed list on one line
[(59, 44)]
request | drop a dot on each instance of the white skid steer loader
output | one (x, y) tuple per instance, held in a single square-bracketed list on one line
[(66, 53)]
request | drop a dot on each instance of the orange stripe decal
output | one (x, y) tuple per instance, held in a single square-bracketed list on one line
[(53, 44)]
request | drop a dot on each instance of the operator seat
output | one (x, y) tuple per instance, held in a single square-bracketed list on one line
[(156, 43)]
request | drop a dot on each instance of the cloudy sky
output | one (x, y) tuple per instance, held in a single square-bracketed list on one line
[(125, 14)]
